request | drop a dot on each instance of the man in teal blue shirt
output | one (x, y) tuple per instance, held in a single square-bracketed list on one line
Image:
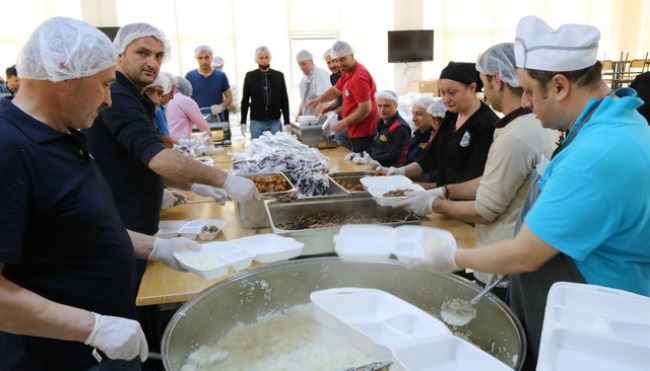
[(590, 215)]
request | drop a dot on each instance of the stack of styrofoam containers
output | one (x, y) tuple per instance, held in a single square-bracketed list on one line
[(377, 186), (215, 258), (369, 242), (594, 328), (388, 328)]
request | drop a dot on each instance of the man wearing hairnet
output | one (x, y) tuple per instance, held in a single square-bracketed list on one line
[(358, 89), (66, 260), (211, 89), (314, 83), (127, 146), (586, 217), (494, 200)]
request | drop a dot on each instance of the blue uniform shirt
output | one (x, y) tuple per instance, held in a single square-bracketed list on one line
[(62, 236), (594, 204), (208, 90), (161, 121)]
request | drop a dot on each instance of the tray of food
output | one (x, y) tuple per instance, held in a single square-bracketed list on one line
[(271, 183), (350, 181)]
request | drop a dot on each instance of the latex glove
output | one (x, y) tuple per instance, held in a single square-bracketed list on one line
[(350, 156), (370, 161), (396, 171), (118, 338), (240, 188), (205, 190), (216, 109), (244, 129), (381, 170), (164, 248), (419, 202), (171, 198), (438, 257), (359, 160)]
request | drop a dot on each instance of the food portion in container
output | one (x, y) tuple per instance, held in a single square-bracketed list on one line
[(270, 183), (400, 192), (323, 219), (351, 186)]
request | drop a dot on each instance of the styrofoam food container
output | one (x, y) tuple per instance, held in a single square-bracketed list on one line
[(411, 241), (169, 228), (363, 242), (192, 228), (377, 192), (268, 248), (202, 263), (443, 353), (385, 180), (236, 257), (575, 350), (374, 320)]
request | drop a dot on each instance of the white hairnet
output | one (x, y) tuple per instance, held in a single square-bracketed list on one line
[(499, 60), (133, 31), (261, 49), (202, 49), (386, 94), (184, 86), (437, 108), (163, 81), (423, 101), (328, 53), (217, 61), (341, 49), (172, 80), (304, 55), (63, 49)]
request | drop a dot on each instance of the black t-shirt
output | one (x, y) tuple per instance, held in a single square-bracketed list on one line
[(123, 139), (460, 155), (641, 84), (62, 236)]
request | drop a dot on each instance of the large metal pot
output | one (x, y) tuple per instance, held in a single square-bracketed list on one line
[(242, 298)]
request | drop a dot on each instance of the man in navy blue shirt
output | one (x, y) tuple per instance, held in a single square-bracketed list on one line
[(210, 86), (66, 260)]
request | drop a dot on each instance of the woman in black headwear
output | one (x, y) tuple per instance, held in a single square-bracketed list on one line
[(461, 147)]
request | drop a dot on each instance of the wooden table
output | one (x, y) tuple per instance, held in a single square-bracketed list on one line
[(161, 285)]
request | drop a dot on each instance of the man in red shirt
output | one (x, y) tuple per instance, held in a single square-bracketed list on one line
[(358, 89)]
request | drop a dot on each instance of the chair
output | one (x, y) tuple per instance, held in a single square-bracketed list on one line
[(608, 71)]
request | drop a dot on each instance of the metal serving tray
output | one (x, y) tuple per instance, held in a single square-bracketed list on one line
[(350, 177), (320, 240), (251, 213)]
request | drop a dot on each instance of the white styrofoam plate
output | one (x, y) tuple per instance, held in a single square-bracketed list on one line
[(378, 193), (169, 228), (268, 248), (385, 181), (412, 241), (363, 242), (444, 353), (374, 320), (192, 228), (236, 257), (202, 263)]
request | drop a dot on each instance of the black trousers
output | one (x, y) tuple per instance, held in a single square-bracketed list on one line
[(362, 144)]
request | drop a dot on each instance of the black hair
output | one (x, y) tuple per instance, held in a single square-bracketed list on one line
[(11, 71), (590, 76)]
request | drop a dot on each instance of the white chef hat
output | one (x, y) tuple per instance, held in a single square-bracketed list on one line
[(571, 47), (387, 94)]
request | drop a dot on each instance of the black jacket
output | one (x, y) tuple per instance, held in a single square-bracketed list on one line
[(390, 140), (265, 107)]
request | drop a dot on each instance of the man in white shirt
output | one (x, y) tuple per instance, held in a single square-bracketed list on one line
[(315, 82)]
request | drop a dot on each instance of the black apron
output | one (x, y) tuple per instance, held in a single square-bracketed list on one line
[(528, 291)]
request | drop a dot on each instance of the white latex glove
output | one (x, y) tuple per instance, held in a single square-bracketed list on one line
[(240, 188), (439, 191), (208, 191), (164, 248), (438, 257), (359, 160), (370, 161), (396, 171), (350, 156), (244, 129), (419, 202), (216, 109), (381, 170), (118, 338)]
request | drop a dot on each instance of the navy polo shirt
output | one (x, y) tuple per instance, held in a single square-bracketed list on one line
[(62, 236), (208, 90), (123, 139)]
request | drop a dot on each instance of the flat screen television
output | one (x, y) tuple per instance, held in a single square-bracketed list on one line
[(410, 46)]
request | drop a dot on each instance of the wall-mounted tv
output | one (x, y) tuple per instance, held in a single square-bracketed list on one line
[(410, 46)]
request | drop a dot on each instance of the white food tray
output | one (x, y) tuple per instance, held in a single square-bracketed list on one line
[(169, 228), (363, 242), (385, 181), (377, 192), (202, 263), (595, 328), (443, 353), (192, 229), (268, 248), (236, 257), (374, 321)]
